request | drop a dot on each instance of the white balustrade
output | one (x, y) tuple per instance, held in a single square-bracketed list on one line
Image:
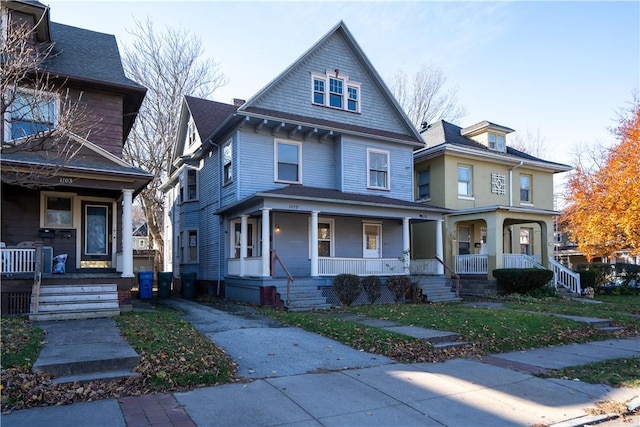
[(360, 266), (17, 260), (252, 266), (471, 264), (521, 261), (563, 276)]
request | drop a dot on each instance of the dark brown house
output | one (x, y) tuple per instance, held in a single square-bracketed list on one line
[(67, 249)]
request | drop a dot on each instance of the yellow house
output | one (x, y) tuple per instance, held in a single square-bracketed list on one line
[(501, 199)]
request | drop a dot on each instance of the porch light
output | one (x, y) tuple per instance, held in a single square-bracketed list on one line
[(277, 228)]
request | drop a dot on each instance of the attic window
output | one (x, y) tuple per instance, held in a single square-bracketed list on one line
[(191, 134), (336, 91), (496, 142)]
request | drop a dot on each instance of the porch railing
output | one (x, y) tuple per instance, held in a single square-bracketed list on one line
[(252, 266), (520, 261), (360, 266), (424, 266), (17, 260), (565, 277), (471, 264)]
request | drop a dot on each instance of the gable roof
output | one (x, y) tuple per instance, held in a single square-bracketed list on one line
[(340, 28), (208, 115), (442, 133)]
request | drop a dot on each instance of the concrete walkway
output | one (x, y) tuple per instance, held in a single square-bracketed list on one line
[(302, 379)]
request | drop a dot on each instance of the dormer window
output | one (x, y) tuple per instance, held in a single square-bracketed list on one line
[(334, 90), (496, 142)]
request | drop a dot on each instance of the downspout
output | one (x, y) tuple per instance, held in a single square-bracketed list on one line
[(511, 181)]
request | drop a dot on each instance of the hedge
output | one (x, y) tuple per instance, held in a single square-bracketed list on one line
[(521, 280)]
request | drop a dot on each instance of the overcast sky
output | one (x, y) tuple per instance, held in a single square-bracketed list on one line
[(560, 69)]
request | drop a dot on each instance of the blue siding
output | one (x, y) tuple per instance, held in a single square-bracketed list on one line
[(209, 229), (355, 168), (293, 93)]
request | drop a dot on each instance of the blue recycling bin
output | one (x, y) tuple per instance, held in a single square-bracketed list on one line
[(145, 284)]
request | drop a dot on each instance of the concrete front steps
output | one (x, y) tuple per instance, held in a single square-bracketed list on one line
[(78, 301), (85, 350), (304, 296), (436, 288)]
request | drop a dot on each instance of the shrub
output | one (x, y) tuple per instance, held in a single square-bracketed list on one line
[(603, 273), (398, 285), (588, 278), (348, 288), (521, 280), (371, 286)]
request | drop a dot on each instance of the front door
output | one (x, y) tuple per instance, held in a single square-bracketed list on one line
[(96, 235), (372, 239)]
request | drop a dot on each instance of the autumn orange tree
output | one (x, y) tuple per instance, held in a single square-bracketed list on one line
[(603, 214)]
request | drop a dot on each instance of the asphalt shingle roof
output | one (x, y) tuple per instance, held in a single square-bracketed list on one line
[(208, 115)]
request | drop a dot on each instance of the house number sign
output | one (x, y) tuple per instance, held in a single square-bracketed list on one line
[(66, 180)]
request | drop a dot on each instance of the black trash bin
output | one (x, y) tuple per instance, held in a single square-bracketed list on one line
[(145, 284), (188, 285), (164, 284)]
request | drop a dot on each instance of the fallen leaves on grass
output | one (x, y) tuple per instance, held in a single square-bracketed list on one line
[(173, 357)]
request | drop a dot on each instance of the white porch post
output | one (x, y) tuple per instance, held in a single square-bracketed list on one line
[(127, 232), (243, 242), (266, 245), (406, 246), (314, 244), (439, 246)]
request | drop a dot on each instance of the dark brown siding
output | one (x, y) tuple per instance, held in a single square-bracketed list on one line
[(100, 117)]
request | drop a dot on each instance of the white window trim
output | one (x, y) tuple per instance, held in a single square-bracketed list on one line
[(184, 184), (388, 183), (468, 196), (192, 134), (331, 221), (255, 238), (528, 202), (184, 240), (229, 143), (7, 114), (43, 209), (275, 161), (346, 84)]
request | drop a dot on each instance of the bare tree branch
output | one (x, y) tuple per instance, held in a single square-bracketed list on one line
[(425, 99), (169, 64)]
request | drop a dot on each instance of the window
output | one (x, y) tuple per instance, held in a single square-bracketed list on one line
[(352, 102), (288, 161), (325, 237), (336, 91), (189, 185), (191, 133), (190, 246), (58, 211), (227, 167), (464, 240), (525, 241), (525, 188), (424, 179), (496, 142), (31, 114), (252, 229), (378, 166), (464, 181), (318, 91)]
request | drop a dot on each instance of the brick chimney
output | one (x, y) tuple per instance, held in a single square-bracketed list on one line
[(238, 102)]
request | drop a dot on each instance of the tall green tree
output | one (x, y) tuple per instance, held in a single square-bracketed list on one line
[(169, 64)]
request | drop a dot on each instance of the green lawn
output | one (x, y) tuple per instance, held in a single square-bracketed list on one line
[(173, 356)]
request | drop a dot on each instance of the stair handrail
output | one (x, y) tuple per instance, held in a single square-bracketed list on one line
[(275, 258), (37, 277), (565, 277), (453, 275)]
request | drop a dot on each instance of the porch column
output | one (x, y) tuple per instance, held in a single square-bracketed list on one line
[(314, 244), (243, 242), (439, 246), (266, 244), (127, 233), (406, 246)]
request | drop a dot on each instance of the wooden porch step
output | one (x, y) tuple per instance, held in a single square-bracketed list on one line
[(78, 301), (304, 297), (437, 289)]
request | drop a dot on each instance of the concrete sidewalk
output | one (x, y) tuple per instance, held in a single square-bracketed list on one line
[(302, 379)]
